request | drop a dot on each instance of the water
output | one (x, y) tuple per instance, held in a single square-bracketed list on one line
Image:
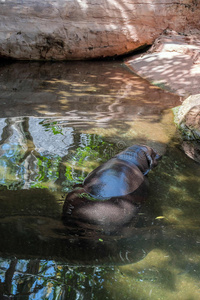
[(58, 121)]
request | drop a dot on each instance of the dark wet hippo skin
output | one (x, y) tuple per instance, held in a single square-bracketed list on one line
[(112, 194)]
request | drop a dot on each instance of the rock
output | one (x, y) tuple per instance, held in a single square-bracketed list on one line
[(188, 122), (188, 118), (82, 29), (192, 149), (173, 63)]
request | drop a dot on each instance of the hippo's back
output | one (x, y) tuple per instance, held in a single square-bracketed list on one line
[(114, 178)]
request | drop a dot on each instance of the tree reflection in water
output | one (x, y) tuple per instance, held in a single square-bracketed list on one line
[(34, 153), (41, 279)]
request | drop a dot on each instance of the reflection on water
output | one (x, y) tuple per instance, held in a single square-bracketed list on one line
[(33, 152), (40, 279), (58, 121)]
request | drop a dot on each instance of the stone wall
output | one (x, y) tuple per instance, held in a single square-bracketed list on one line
[(82, 29)]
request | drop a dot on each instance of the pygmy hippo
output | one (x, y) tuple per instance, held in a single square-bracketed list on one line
[(112, 194)]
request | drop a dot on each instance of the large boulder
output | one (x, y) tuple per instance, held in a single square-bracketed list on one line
[(82, 29)]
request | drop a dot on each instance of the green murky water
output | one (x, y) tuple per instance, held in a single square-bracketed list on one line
[(58, 121)]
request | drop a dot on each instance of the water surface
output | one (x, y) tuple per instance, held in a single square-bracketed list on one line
[(58, 121)]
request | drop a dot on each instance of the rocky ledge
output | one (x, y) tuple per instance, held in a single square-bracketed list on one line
[(173, 62)]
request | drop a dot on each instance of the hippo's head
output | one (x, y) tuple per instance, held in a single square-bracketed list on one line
[(144, 157), (152, 156)]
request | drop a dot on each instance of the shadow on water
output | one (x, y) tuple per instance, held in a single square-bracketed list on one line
[(59, 122)]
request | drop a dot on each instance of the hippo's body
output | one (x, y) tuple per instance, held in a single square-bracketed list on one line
[(112, 193)]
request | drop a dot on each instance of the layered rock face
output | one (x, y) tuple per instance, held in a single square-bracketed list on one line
[(83, 29)]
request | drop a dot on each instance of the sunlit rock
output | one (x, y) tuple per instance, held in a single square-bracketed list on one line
[(172, 63), (74, 29)]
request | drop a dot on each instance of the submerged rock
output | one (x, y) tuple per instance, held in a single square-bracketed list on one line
[(192, 149)]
